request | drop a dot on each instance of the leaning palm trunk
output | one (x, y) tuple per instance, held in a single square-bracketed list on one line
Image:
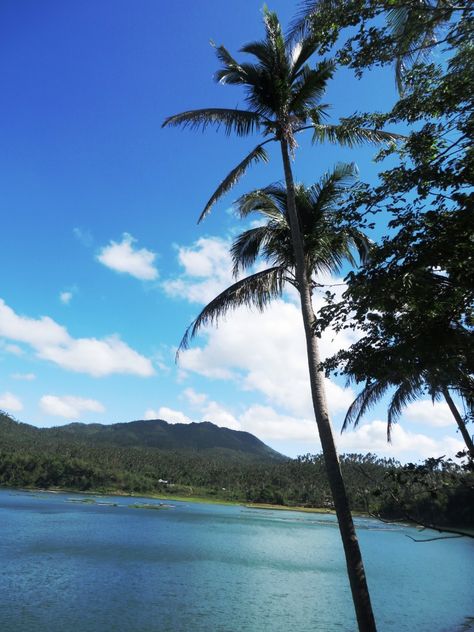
[(284, 95), (355, 566), (460, 422)]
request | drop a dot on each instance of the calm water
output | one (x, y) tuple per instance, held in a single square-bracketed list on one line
[(89, 568)]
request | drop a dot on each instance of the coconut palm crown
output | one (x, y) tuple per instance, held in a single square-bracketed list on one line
[(327, 245), (283, 94)]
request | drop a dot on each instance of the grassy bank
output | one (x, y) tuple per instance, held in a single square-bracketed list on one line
[(179, 498), (453, 529)]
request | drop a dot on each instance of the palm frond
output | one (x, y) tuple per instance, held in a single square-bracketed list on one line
[(300, 54), (343, 174), (310, 86), (408, 391), (328, 243), (256, 155), (270, 201), (256, 290), (318, 113), (361, 243), (414, 35), (351, 136), (300, 27), (230, 76), (242, 122), (246, 248), (330, 255), (327, 191), (261, 50), (275, 40), (232, 72), (368, 397)]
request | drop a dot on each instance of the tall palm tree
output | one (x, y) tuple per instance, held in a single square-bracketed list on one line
[(284, 97), (326, 245)]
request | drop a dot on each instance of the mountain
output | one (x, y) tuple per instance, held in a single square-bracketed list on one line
[(204, 437)]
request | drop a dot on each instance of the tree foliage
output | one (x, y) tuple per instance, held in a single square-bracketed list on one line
[(413, 301)]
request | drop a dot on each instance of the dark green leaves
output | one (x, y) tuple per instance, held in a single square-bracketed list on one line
[(256, 290), (350, 134), (240, 122)]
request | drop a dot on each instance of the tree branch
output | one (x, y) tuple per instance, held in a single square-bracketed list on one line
[(440, 537)]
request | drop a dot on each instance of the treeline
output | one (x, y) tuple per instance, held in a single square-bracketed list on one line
[(217, 473), (437, 492)]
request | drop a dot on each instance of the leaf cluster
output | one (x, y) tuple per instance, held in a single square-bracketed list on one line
[(413, 302)]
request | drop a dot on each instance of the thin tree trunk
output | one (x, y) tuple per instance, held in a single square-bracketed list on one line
[(460, 422), (355, 566)]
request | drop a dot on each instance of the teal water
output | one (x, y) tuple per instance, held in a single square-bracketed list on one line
[(103, 568)]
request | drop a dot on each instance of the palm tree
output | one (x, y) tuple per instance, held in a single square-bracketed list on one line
[(284, 97), (409, 386), (326, 245)]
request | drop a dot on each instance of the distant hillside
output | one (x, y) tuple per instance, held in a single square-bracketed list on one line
[(157, 433), (12, 431), (202, 460)]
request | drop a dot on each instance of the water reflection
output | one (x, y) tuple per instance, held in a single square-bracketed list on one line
[(105, 565)]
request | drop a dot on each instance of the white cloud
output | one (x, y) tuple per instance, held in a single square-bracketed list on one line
[(207, 270), (10, 348), (372, 437), (51, 341), (201, 260), (98, 357), (122, 257), (35, 332), (267, 424), (263, 421), (211, 410), (10, 402), (167, 414), (69, 406), (425, 412), (218, 415), (83, 236), (194, 398), (27, 377), (65, 297), (266, 352), (196, 360), (263, 352)]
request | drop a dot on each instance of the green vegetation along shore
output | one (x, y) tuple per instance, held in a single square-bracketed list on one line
[(435, 493)]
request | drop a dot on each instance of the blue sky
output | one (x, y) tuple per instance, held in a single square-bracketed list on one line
[(103, 263)]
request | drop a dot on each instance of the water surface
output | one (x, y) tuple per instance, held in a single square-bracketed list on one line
[(103, 568)]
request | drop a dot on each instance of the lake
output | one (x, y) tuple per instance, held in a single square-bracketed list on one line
[(86, 567)]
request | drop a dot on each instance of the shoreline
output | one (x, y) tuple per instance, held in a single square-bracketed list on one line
[(459, 532), (178, 498)]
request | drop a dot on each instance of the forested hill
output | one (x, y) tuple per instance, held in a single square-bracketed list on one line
[(156, 433), (154, 457)]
